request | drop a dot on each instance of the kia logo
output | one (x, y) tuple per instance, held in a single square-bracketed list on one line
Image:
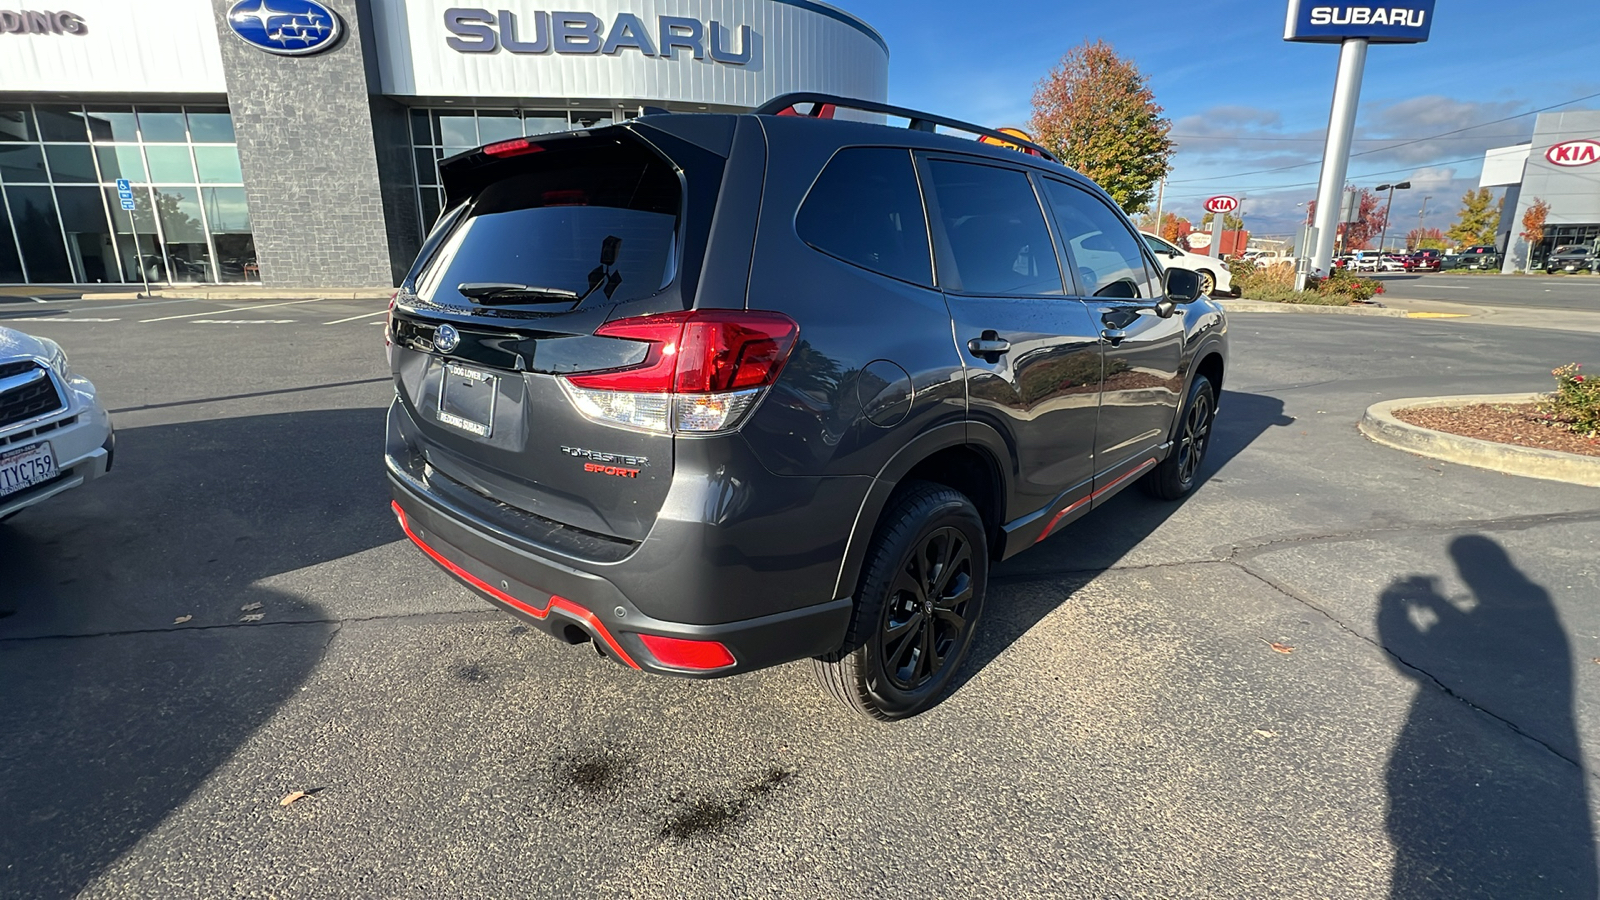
[(1222, 204), (1574, 153), (285, 27)]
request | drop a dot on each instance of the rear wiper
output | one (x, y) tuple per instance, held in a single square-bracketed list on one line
[(490, 291)]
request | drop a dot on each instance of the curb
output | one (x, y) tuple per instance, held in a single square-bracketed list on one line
[(238, 294), (1380, 425), (1262, 306)]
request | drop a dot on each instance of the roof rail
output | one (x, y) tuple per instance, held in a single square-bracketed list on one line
[(920, 121)]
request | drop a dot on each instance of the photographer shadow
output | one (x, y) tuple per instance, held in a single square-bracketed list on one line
[(1476, 810)]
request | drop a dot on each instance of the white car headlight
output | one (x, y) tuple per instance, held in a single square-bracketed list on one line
[(58, 361)]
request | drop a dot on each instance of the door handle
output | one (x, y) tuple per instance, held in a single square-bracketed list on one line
[(988, 347), (1113, 336)]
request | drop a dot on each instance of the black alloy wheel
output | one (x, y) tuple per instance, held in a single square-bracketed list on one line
[(925, 618), (1180, 471), (917, 605)]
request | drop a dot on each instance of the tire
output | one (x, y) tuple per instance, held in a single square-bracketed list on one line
[(1208, 283), (892, 664), (1179, 472)]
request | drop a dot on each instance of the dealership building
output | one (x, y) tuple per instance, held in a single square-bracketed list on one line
[(294, 143), (1561, 166)]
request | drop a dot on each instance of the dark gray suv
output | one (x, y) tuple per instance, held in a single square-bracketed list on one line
[(718, 392)]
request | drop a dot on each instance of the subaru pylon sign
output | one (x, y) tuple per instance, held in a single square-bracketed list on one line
[(1317, 21)]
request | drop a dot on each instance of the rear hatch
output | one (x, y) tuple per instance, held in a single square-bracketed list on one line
[(543, 242)]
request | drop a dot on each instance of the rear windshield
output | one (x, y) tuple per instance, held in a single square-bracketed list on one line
[(601, 222)]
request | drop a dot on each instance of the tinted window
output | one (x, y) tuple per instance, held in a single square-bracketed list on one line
[(1158, 245), (1106, 253), (995, 233), (601, 218), (865, 209)]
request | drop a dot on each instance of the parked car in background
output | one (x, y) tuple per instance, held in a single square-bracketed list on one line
[(1215, 279), (1480, 258), (1572, 259), (1424, 261), (54, 434)]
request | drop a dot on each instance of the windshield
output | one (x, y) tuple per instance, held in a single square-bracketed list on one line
[(603, 224)]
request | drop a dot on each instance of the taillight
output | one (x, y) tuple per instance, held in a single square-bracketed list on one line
[(703, 371), (513, 147), (388, 329)]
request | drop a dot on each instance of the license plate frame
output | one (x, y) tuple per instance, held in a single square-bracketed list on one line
[(467, 399), (11, 462)]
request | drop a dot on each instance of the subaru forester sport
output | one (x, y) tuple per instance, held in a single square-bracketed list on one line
[(718, 392)]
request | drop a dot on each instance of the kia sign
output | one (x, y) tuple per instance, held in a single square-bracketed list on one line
[(1404, 22), (1571, 154), (1222, 205)]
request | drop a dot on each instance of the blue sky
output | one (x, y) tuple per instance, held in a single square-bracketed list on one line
[(1242, 100)]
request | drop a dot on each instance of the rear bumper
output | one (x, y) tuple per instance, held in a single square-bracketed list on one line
[(576, 605)]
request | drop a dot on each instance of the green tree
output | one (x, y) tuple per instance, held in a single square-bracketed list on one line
[(1425, 239), (1096, 112), (1478, 220)]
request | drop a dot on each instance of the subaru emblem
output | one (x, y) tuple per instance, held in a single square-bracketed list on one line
[(284, 27), (446, 338)]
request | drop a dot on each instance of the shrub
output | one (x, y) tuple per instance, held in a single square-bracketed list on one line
[(1348, 285), (1576, 403), (1250, 279)]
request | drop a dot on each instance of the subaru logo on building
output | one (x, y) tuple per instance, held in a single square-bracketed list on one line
[(285, 27), (446, 338)]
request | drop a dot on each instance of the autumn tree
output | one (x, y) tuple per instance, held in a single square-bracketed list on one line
[(1174, 229), (1533, 225), (1230, 222), (1478, 220), (1096, 112), (1425, 239)]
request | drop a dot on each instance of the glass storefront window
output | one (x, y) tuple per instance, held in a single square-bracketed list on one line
[(89, 247), (210, 127), (169, 164), (218, 165), (162, 126), (70, 164), (590, 119), (22, 163), (544, 124), (61, 124), (458, 131), (39, 234), (63, 221), (421, 128), (113, 123), (16, 124), (121, 162), (498, 127)]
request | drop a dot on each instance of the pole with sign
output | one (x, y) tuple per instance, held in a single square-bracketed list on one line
[(1219, 207), (125, 194), (1353, 27)]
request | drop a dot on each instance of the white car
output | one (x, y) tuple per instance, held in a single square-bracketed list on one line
[(54, 434), (1215, 279)]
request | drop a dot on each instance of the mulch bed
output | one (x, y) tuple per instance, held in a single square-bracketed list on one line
[(1519, 424)]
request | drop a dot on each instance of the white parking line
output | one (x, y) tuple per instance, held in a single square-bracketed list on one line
[(353, 318), (212, 312), (55, 319), (241, 322)]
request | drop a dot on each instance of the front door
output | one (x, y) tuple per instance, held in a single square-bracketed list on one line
[(1143, 384), (1031, 351)]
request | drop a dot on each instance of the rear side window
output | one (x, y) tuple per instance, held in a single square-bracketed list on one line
[(994, 231), (865, 209), (1106, 254), (601, 222)]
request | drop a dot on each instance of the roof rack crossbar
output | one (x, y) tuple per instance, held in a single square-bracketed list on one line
[(920, 121)]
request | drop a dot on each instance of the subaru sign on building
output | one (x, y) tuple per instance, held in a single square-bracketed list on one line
[(295, 142)]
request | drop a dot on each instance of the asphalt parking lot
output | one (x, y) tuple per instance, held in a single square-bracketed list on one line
[(1125, 727), (1536, 291)]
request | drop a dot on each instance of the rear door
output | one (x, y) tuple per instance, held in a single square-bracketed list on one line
[(1030, 350), (541, 248), (1143, 352)]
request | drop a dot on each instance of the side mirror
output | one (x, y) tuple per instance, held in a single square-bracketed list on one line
[(1182, 285)]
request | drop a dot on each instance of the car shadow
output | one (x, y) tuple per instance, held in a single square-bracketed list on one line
[(112, 712), (1469, 817), (1096, 542)]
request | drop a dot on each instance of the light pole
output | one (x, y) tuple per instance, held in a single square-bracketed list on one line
[(1422, 218), (1391, 188)]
